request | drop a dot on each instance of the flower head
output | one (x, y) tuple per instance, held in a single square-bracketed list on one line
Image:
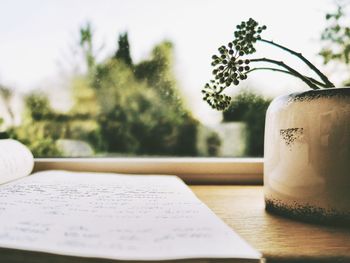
[(229, 68), (212, 94), (229, 65), (246, 35)]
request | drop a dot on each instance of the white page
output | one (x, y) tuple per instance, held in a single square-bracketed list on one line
[(16, 160), (113, 216)]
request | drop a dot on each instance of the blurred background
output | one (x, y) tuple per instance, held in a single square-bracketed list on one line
[(124, 78)]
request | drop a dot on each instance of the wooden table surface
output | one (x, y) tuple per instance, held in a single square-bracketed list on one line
[(278, 239)]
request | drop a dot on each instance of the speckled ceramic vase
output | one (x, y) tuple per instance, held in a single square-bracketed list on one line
[(307, 156)]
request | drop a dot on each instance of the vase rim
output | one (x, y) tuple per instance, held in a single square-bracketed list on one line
[(317, 94)]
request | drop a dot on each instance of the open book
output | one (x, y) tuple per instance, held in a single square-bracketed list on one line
[(61, 216)]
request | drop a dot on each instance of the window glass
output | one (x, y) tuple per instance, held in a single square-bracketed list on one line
[(124, 78)]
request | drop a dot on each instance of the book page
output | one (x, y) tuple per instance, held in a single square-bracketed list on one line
[(16, 160), (125, 217)]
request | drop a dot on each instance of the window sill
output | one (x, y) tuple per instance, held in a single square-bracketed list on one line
[(191, 170), (278, 239)]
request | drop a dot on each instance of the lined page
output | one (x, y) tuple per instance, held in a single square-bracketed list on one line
[(113, 216), (16, 160)]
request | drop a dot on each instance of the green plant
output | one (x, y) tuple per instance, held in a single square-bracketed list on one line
[(7, 94), (232, 66), (123, 52), (86, 35), (140, 108), (213, 144), (336, 37), (250, 108)]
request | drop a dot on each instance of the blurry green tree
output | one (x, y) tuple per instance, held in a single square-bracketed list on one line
[(119, 108), (336, 37), (122, 108), (123, 51), (38, 130), (6, 94), (1, 121), (213, 143), (141, 111), (86, 44), (250, 108)]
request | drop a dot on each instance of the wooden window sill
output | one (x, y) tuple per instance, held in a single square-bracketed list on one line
[(278, 239)]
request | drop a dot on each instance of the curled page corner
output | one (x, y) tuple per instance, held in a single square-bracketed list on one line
[(16, 160)]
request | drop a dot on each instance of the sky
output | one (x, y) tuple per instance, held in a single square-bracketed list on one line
[(37, 38)]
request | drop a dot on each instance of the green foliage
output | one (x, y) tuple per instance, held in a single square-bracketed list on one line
[(123, 52), (118, 107), (239, 107), (35, 136), (336, 37), (37, 106), (251, 109), (140, 109), (4, 135), (157, 72), (133, 109), (213, 144), (7, 94), (38, 131), (86, 38)]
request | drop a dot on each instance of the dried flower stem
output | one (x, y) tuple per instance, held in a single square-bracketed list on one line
[(288, 68), (231, 67), (290, 73), (327, 83)]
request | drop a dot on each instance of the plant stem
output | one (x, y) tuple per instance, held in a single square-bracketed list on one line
[(272, 69), (290, 73), (289, 69), (327, 83)]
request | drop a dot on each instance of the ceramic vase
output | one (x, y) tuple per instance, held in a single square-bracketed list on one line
[(307, 156)]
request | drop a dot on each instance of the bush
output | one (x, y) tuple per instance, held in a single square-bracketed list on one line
[(251, 109)]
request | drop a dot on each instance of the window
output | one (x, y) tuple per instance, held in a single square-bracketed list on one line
[(117, 78)]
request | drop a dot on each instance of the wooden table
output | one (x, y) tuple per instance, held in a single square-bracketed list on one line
[(278, 239)]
